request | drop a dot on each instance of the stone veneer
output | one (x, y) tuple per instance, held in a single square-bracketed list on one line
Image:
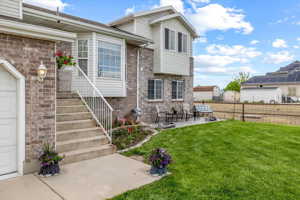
[(126, 104), (146, 73), (25, 55)]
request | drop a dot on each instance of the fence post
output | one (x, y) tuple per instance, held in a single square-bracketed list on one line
[(243, 113)]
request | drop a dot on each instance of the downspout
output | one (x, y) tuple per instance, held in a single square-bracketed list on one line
[(138, 79)]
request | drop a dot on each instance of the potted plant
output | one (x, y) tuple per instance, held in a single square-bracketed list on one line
[(159, 160), (65, 65), (49, 161)]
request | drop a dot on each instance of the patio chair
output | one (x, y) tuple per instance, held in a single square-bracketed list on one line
[(187, 111), (160, 115), (202, 109), (178, 112)]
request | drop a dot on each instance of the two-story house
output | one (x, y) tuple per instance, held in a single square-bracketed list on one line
[(168, 78), (116, 70)]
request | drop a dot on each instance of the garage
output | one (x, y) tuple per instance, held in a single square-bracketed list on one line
[(12, 134), (8, 122)]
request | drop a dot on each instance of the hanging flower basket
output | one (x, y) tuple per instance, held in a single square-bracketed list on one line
[(65, 65)]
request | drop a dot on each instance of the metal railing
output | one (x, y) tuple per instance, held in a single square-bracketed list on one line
[(98, 106)]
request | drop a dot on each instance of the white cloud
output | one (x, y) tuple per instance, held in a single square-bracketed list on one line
[(236, 50), (201, 40), (254, 42), (296, 46), (129, 10), (279, 43), (177, 4), (217, 17), (298, 39), (219, 65), (49, 4), (279, 57)]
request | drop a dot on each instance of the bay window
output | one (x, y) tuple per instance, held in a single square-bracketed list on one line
[(109, 60)]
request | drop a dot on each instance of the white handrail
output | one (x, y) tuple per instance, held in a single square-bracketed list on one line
[(94, 100)]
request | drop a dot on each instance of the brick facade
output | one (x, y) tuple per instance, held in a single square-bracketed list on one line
[(147, 73), (126, 104), (123, 106), (25, 55)]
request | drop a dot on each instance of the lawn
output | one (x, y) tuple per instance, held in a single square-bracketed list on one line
[(226, 160)]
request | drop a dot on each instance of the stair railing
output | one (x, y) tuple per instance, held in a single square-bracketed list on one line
[(91, 96)]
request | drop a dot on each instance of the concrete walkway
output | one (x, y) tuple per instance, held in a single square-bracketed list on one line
[(96, 179)]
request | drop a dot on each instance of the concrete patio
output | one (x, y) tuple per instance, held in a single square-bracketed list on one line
[(96, 179)]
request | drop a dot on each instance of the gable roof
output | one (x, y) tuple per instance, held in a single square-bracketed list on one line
[(44, 16), (181, 18), (131, 17), (204, 88), (287, 74), (173, 14)]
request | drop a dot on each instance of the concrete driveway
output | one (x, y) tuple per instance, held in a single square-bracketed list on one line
[(96, 179)]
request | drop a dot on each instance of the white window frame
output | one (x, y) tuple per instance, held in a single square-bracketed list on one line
[(184, 42), (177, 90), (121, 60), (155, 91), (83, 58), (171, 39)]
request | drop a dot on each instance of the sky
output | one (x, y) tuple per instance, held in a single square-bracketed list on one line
[(255, 36)]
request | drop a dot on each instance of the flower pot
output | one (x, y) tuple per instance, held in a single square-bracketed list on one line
[(65, 79), (159, 171), (49, 169)]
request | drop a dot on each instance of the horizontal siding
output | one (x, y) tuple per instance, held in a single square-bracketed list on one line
[(108, 86), (174, 62), (10, 8)]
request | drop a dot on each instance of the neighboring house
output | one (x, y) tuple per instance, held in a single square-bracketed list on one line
[(118, 66), (168, 78), (231, 96), (287, 79), (206, 93), (265, 95)]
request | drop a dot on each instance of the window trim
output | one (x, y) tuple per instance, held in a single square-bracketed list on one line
[(154, 89), (83, 58), (98, 40), (177, 91), (167, 46), (184, 48)]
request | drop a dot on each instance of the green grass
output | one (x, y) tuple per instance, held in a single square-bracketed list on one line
[(226, 160)]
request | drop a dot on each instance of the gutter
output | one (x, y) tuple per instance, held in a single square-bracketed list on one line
[(72, 22)]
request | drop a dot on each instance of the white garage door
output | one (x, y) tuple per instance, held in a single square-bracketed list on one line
[(8, 122)]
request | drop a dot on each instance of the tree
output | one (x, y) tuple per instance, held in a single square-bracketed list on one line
[(235, 85), (242, 77)]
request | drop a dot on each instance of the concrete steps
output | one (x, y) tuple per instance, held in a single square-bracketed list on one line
[(73, 116), (72, 145), (88, 153), (77, 135)]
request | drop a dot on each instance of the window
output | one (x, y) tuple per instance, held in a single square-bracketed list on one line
[(155, 89), (177, 90), (109, 60), (83, 56), (169, 39), (182, 42)]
